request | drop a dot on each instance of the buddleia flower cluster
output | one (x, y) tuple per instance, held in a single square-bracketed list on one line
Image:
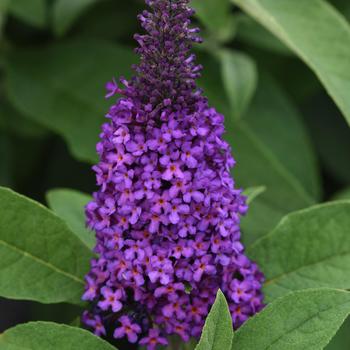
[(167, 212)]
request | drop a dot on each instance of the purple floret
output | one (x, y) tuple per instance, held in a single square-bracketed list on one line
[(167, 212)]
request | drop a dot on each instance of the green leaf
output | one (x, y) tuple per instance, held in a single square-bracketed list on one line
[(50, 336), (32, 12), (65, 12), (308, 249), (239, 76), (298, 321), (253, 192), (262, 216), (252, 33), (216, 17), (217, 333), (317, 33), (114, 20), (342, 339), (211, 82), (331, 137), (62, 88), (69, 205), (41, 259)]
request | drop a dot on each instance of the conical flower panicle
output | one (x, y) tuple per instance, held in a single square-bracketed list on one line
[(167, 213), (166, 75)]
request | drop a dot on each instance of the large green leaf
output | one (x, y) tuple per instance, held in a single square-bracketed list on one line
[(218, 331), (33, 12), (65, 12), (50, 336), (62, 87), (298, 321), (239, 76), (317, 33), (308, 249), (41, 259), (69, 205)]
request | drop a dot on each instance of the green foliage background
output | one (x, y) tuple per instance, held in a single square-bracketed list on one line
[(280, 72)]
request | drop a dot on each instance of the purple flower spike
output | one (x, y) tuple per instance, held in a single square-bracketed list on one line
[(167, 212)]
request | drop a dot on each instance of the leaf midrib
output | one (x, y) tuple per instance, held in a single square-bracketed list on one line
[(283, 275), (291, 180), (42, 262), (302, 323)]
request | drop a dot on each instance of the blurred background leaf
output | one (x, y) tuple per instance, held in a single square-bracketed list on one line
[(253, 192), (215, 15), (11, 121), (251, 32), (61, 87), (331, 137), (343, 6), (341, 195), (239, 75), (33, 12), (279, 157), (109, 20), (69, 205), (66, 12)]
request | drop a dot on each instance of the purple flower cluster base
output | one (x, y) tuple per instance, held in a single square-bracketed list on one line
[(167, 213)]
